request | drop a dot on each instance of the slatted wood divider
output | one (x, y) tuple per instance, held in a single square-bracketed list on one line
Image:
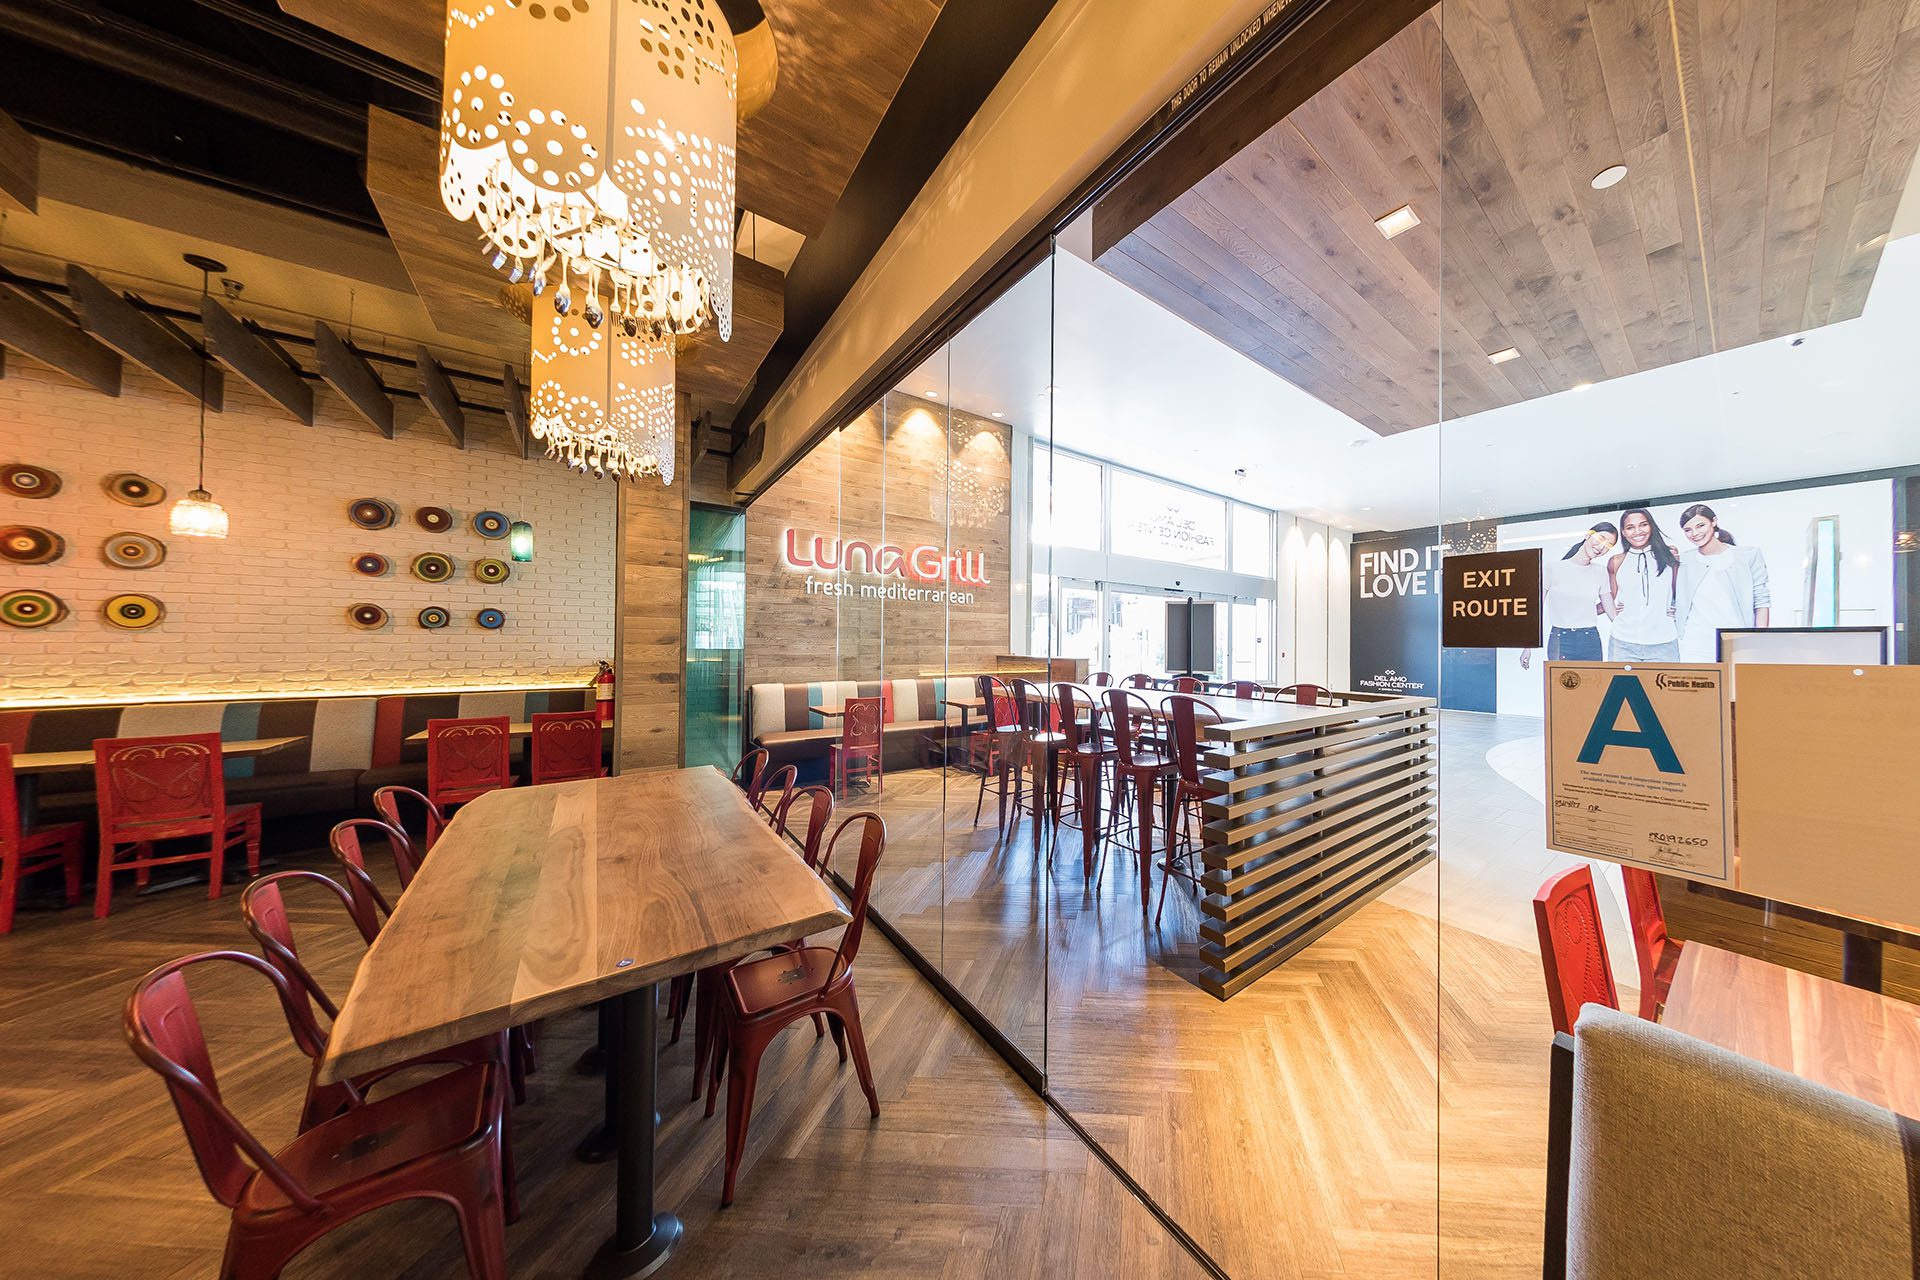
[(1307, 821)]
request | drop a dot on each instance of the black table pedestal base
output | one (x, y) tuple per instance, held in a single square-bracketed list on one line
[(1860, 962), (642, 1238)]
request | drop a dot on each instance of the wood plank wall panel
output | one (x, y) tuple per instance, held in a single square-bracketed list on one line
[(901, 474), (1784, 132), (1306, 826), (651, 639)]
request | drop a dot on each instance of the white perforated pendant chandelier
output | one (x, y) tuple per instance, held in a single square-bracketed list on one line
[(603, 400), (592, 142)]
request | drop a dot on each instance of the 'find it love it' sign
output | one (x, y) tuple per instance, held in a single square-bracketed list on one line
[(1491, 600)]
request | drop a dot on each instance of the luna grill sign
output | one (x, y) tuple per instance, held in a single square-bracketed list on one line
[(924, 574)]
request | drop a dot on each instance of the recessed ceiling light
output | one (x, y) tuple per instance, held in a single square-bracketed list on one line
[(998, 414), (1582, 386), (1608, 176), (1400, 220), (1356, 444), (932, 395), (1502, 356)]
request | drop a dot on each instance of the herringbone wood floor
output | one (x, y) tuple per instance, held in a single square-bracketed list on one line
[(965, 1174)]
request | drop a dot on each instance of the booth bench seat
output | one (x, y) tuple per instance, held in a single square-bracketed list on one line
[(351, 746), (914, 719)]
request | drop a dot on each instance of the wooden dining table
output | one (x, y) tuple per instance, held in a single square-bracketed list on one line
[(1850, 1040), (540, 900)]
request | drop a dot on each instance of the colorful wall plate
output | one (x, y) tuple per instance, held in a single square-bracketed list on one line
[(24, 480), (431, 566), (434, 519), (372, 564), (490, 524), (134, 490), (29, 544), (367, 617), (29, 609), (370, 513), (492, 570), (491, 619), (133, 612), (132, 551), (433, 617)]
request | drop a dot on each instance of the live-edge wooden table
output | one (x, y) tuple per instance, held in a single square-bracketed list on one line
[(538, 900)]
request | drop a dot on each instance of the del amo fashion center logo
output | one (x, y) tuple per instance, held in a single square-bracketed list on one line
[(924, 563)]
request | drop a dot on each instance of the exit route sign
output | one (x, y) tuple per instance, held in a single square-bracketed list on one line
[(1491, 600)]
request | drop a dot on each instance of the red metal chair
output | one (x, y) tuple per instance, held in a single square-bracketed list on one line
[(1181, 855), (750, 775), (467, 758), (1656, 952), (761, 998), (565, 747), (1136, 763), (1186, 684), (778, 794), (442, 1140), (24, 852), (263, 908), (1246, 690), (858, 751), (370, 904), (153, 789), (819, 812), (388, 802), (1572, 948), (1307, 695), (1101, 679), (1138, 680)]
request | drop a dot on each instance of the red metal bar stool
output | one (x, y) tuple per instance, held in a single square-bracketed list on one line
[(1139, 767), (174, 788), (1307, 695), (442, 1140), (24, 852), (564, 747), (1043, 744), (1181, 856), (1087, 759), (761, 998), (1004, 743), (467, 758)]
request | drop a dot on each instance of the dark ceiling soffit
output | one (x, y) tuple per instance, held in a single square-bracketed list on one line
[(1322, 46), (968, 50), (1188, 106)]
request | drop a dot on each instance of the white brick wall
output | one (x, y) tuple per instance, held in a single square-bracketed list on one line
[(265, 610)]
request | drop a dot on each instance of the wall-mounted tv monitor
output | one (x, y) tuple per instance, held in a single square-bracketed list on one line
[(1190, 637)]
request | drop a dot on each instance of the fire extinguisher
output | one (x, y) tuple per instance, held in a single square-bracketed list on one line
[(603, 693)]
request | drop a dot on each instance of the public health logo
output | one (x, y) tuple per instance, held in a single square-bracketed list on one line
[(1569, 679)]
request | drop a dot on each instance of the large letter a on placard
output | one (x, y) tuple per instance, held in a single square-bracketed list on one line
[(1647, 735)]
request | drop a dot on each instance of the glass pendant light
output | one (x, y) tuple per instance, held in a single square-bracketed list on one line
[(197, 515), (520, 541)]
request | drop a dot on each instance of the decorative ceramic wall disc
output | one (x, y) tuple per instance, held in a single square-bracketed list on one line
[(26, 544), (134, 612), (433, 617), (371, 513), (367, 617), (23, 480), (133, 551), (491, 619), (134, 490), (434, 519), (432, 567), (492, 570), (371, 564), (31, 609), (490, 524)]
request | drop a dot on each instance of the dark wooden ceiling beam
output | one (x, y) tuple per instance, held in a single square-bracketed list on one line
[(258, 359), (142, 339), (34, 330), (516, 409), (347, 372), (1332, 39), (19, 167), (440, 397)]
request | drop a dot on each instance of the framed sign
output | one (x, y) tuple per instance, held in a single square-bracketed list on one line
[(1491, 600), (1640, 765)]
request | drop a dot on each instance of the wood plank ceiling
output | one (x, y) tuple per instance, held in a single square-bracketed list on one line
[(1787, 149)]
